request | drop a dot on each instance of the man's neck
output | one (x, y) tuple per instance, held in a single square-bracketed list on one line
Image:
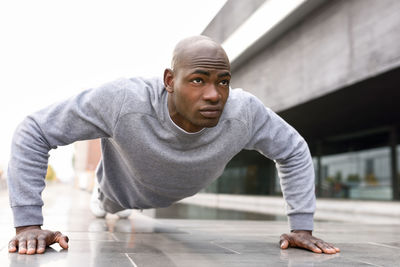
[(179, 120)]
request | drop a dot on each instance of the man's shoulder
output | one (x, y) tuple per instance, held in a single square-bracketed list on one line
[(237, 105), (241, 101), (141, 95), (238, 94), (136, 86), (243, 106)]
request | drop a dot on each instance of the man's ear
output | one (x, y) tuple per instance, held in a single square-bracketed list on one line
[(169, 80)]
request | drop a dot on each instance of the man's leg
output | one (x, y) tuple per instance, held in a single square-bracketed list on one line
[(100, 205), (114, 208)]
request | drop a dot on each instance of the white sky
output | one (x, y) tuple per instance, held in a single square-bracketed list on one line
[(52, 49)]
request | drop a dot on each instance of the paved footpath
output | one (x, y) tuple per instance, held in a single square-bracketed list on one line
[(145, 241)]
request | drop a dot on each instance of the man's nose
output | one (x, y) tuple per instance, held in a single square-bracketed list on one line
[(211, 94)]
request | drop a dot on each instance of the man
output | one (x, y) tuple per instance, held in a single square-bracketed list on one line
[(161, 141)]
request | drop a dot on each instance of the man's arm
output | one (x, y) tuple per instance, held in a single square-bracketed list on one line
[(91, 114), (277, 140)]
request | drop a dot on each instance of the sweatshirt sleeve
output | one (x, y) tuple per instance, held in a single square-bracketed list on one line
[(91, 114), (277, 140)]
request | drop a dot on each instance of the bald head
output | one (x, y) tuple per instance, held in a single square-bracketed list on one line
[(199, 51), (198, 83)]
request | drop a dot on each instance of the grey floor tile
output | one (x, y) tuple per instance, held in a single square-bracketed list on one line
[(249, 247), (290, 258), (167, 260), (63, 258), (90, 236), (146, 246), (394, 244), (145, 241), (371, 254), (298, 257)]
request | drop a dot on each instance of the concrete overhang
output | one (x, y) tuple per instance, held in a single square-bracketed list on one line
[(265, 25)]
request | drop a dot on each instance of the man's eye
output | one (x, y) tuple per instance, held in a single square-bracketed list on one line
[(197, 80), (224, 82)]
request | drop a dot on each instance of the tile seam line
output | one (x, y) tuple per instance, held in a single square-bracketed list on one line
[(225, 248), (370, 263), (114, 237), (383, 245), (131, 260)]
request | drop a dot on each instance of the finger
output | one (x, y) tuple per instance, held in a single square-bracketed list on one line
[(31, 246), (333, 246), (284, 244), (310, 246), (325, 247), (284, 241), (63, 241), (12, 246), (22, 246), (41, 245)]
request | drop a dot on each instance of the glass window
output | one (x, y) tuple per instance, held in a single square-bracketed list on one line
[(248, 172), (357, 175)]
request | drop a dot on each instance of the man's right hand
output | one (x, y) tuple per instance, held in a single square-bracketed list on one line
[(32, 239)]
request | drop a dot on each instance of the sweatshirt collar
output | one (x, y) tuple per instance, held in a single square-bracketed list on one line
[(171, 124)]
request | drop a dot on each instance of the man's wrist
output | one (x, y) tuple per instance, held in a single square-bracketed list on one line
[(301, 231), (301, 221), (20, 229), (27, 215)]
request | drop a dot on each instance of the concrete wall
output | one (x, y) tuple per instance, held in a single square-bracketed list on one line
[(338, 44), (230, 17)]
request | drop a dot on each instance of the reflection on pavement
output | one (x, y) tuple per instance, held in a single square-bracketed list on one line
[(299, 257), (174, 238), (185, 211)]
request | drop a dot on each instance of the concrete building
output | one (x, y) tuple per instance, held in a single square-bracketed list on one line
[(332, 70)]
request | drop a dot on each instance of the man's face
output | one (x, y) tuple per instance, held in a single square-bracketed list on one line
[(199, 90)]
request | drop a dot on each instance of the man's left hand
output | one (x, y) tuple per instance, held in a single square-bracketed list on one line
[(305, 239)]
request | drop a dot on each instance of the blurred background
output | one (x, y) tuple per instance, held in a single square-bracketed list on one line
[(51, 50), (329, 68)]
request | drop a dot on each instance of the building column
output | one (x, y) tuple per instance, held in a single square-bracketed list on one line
[(394, 167)]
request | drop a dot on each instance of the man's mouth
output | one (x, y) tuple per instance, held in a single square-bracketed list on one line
[(211, 112)]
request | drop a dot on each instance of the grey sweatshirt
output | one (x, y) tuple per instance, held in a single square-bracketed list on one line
[(148, 161)]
